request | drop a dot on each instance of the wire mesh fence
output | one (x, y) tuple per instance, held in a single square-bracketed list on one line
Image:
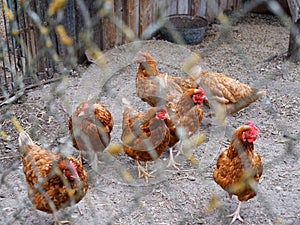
[(46, 41)]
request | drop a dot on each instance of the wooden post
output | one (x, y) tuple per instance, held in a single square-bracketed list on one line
[(119, 8), (294, 43), (171, 7), (146, 15), (182, 7), (193, 7), (108, 32), (132, 16)]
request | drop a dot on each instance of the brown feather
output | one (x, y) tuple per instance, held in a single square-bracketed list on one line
[(239, 167), (91, 130), (144, 137), (45, 169), (155, 88), (188, 115), (224, 90)]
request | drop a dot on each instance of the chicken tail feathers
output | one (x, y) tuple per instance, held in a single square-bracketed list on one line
[(246, 101), (24, 140), (195, 72), (126, 102), (127, 105), (259, 93)]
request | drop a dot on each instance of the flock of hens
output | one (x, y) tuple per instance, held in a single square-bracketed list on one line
[(56, 181)]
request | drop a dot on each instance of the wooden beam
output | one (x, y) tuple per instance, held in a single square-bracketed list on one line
[(132, 15), (146, 15), (194, 7), (183, 7), (294, 43), (109, 30), (171, 7)]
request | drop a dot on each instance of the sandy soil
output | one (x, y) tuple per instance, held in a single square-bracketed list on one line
[(172, 197)]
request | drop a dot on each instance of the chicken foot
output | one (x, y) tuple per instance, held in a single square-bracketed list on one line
[(81, 158), (236, 214), (95, 161), (180, 151), (172, 161), (57, 222), (143, 171)]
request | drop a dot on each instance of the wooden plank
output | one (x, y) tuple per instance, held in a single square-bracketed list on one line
[(294, 6), (161, 6), (82, 11), (132, 16), (202, 8), (36, 36), (233, 4), (222, 5), (146, 15), (97, 26), (294, 48), (172, 7), (212, 10), (183, 7), (238, 3), (194, 4), (108, 33), (119, 7), (31, 45), (69, 24), (229, 4)]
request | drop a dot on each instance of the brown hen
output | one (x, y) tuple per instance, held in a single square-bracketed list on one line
[(239, 167), (155, 88), (224, 92), (54, 181), (186, 120), (145, 136), (90, 127)]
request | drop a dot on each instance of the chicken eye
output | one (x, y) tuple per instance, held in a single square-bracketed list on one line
[(244, 136)]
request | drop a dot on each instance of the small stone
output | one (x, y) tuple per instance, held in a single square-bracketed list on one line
[(278, 188), (8, 146), (191, 178)]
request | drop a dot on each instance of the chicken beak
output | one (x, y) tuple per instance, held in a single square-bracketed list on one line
[(80, 114), (167, 117), (139, 58)]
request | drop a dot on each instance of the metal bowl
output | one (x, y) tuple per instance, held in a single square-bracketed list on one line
[(184, 29)]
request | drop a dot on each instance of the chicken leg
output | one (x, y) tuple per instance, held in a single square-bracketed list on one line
[(143, 171), (57, 222), (236, 214), (172, 161), (95, 161)]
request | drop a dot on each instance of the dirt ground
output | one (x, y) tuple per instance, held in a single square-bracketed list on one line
[(188, 196)]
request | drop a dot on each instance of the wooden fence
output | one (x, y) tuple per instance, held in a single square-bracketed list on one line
[(111, 23), (138, 15)]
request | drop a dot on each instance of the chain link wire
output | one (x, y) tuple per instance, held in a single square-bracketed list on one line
[(50, 53)]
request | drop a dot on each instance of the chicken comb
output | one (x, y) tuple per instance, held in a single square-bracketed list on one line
[(199, 95), (85, 107), (253, 127), (161, 112), (139, 57), (73, 165), (162, 109), (24, 139), (201, 91)]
